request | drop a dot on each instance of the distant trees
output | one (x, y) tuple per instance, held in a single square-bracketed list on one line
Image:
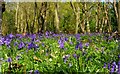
[(70, 17)]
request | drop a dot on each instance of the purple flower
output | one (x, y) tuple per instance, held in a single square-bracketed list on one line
[(1, 42), (9, 60), (75, 56), (66, 39), (112, 69), (32, 45), (15, 43), (104, 65), (86, 44), (18, 57), (65, 58), (118, 67), (37, 41), (36, 72), (108, 66), (77, 36), (110, 37), (61, 43), (43, 44), (46, 33), (19, 35), (10, 35), (79, 45), (7, 42), (33, 36), (119, 56), (71, 42), (21, 45), (114, 63)]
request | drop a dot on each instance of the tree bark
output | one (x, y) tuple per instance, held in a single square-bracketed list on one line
[(0, 18), (119, 17), (56, 17), (16, 17), (77, 15)]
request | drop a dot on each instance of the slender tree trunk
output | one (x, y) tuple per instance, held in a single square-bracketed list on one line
[(56, 17), (97, 17), (22, 21), (42, 16), (88, 15), (77, 15), (115, 8), (102, 25), (119, 17), (117, 12), (0, 18), (16, 18), (34, 17)]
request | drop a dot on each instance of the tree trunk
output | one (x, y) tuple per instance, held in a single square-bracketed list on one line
[(97, 17), (101, 28), (77, 15), (119, 17), (16, 18), (56, 17), (0, 18), (87, 19)]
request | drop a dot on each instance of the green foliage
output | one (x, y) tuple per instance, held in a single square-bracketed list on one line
[(49, 57)]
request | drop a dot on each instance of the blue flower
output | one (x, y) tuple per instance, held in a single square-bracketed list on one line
[(118, 67), (1, 42), (79, 45), (119, 56), (65, 58), (21, 45), (36, 72), (15, 43), (47, 33), (7, 42), (10, 35), (19, 35), (86, 44), (32, 45), (112, 69), (108, 66), (61, 43), (71, 42), (66, 39), (33, 36), (18, 57), (9, 60), (77, 36), (75, 56), (104, 65)]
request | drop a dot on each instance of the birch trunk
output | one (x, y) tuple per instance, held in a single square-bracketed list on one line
[(16, 17), (0, 18), (77, 15), (56, 18), (119, 17)]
